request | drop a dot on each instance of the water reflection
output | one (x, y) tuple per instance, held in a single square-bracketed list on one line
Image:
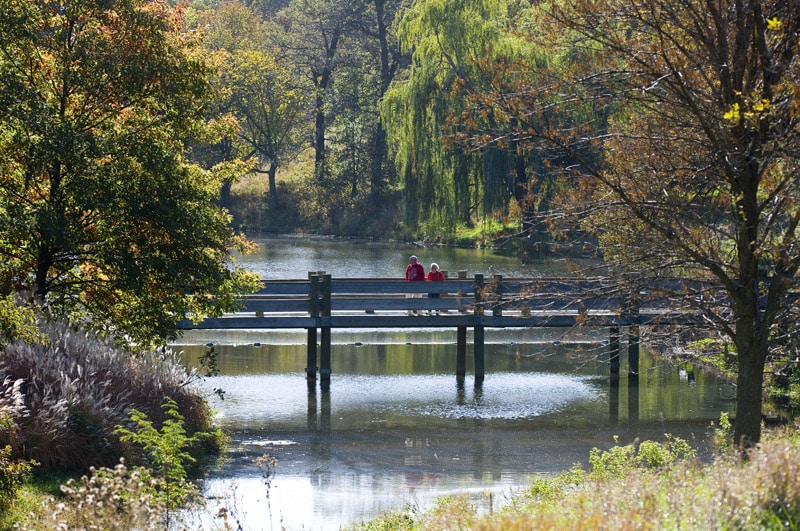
[(285, 257), (396, 428)]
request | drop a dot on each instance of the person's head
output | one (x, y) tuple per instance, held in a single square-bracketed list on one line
[(434, 267), (413, 259)]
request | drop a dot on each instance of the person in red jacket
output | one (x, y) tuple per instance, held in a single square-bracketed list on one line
[(414, 273), (434, 275), (414, 270)]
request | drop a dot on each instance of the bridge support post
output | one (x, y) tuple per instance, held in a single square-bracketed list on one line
[(613, 348), (311, 357), (479, 355), (461, 354), (477, 331), (325, 339), (311, 340), (633, 350)]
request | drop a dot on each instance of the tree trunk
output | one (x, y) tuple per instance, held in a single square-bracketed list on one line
[(319, 138), (379, 156), (225, 194), (747, 427), (43, 264), (752, 347), (273, 187)]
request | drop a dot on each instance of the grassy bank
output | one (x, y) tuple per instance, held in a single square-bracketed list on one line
[(648, 486), (73, 405)]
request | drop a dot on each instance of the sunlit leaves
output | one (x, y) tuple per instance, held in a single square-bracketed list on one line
[(97, 101), (449, 40), (700, 155)]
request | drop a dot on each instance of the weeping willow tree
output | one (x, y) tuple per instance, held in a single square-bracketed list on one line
[(444, 185)]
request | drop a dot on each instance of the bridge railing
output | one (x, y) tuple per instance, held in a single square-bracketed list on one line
[(495, 295), (321, 303)]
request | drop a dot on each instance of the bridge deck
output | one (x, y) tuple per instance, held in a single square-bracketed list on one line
[(496, 303), (323, 303)]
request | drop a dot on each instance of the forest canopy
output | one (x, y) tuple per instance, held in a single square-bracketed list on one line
[(102, 217)]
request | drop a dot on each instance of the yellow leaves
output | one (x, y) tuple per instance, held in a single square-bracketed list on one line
[(733, 114), (757, 107), (761, 106), (774, 24)]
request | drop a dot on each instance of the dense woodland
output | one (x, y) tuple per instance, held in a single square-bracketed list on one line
[(140, 138), (343, 110)]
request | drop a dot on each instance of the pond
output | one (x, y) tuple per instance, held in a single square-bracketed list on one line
[(396, 430)]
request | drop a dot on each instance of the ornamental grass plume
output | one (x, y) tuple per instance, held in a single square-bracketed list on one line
[(107, 499), (65, 397)]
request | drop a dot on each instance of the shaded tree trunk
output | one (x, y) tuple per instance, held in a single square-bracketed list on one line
[(319, 136)]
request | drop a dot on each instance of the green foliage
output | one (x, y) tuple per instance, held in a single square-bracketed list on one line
[(759, 493), (101, 217), (259, 87), (716, 352), (17, 323), (13, 473), (391, 521), (164, 453), (619, 461), (723, 434), (116, 499), (442, 185), (662, 455), (613, 463)]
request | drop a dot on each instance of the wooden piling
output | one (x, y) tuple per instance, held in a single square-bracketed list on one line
[(311, 341), (325, 339), (461, 354), (613, 350), (479, 354)]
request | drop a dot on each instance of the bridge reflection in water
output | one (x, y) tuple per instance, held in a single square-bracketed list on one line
[(321, 304)]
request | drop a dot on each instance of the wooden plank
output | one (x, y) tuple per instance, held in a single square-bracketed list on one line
[(566, 302)]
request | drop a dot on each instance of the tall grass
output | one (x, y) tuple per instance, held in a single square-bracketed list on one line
[(626, 489), (65, 397)]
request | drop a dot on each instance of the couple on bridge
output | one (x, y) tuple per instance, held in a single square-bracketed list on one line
[(415, 272)]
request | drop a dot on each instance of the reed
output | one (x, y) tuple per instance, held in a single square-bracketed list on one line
[(66, 396)]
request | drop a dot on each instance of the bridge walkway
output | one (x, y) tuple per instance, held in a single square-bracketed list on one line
[(320, 304)]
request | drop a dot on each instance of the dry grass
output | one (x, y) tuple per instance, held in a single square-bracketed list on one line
[(107, 499), (761, 492), (65, 398)]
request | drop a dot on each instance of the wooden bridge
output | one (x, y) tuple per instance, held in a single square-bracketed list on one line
[(320, 304)]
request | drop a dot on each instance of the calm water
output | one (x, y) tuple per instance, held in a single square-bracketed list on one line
[(395, 429)]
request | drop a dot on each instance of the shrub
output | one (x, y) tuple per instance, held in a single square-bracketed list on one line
[(12, 474), (16, 322), (633, 489), (107, 499), (66, 397), (163, 452)]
